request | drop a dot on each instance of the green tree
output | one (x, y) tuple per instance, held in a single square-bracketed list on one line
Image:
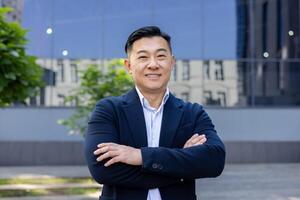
[(95, 84), (20, 76)]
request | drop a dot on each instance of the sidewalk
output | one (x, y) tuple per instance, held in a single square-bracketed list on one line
[(238, 181), (253, 182), (44, 172)]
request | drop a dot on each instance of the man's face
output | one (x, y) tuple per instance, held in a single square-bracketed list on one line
[(150, 63)]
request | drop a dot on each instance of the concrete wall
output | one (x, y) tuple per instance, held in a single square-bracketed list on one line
[(31, 136), (34, 124)]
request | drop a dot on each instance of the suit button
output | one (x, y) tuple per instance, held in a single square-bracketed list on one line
[(154, 166)]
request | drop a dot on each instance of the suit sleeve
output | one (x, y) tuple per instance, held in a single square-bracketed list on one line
[(200, 161), (101, 128)]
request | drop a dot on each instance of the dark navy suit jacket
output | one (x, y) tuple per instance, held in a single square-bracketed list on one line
[(169, 167)]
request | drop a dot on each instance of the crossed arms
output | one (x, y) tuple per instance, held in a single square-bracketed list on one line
[(119, 165), (133, 156)]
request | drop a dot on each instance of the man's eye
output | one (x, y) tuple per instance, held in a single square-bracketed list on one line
[(161, 56), (142, 57)]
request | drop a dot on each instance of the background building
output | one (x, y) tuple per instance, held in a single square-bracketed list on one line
[(258, 38), (268, 52), (239, 54)]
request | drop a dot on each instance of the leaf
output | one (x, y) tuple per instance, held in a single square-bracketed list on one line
[(10, 76), (20, 76), (2, 47)]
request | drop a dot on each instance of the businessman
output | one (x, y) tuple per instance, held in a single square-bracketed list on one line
[(148, 144)]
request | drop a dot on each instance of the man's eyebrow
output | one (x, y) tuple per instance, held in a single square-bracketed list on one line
[(162, 49), (158, 50), (141, 51)]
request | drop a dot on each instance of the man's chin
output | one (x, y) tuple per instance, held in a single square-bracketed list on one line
[(156, 89)]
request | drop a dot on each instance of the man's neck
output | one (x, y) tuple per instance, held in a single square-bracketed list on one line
[(154, 98)]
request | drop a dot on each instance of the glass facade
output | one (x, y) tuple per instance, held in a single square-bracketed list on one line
[(229, 52)]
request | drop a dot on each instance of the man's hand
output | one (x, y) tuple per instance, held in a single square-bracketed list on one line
[(118, 153), (196, 139)]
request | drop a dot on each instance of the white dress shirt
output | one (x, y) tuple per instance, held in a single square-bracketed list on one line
[(153, 119)]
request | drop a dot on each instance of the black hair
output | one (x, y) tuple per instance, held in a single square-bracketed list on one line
[(147, 31)]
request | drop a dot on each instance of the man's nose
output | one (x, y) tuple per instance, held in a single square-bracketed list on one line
[(153, 64)]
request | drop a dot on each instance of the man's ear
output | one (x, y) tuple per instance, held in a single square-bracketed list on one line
[(127, 65)]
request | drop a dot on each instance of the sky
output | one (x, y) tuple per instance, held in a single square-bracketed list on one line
[(200, 29)]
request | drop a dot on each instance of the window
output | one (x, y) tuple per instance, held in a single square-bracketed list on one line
[(74, 73), (265, 79), (174, 73), (60, 71), (185, 70), (279, 25), (61, 99), (222, 98), (206, 67), (264, 26), (209, 98), (219, 70)]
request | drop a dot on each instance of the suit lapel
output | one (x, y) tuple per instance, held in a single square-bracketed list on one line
[(171, 118), (135, 117)]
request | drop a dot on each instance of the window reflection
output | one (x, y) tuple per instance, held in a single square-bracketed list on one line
[(60, 72), (185, 70), (229, 52)]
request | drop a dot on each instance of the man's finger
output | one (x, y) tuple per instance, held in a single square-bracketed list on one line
[(194, 136), (197, 139), (203, 140), (189, 141), (191, 138), (200, 142), (108, 154), (106, 144), (188, 144), (112, 161), (104, 149)]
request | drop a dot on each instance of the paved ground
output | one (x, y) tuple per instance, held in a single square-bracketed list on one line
[(253, 182), (238, 182), (44, 171)]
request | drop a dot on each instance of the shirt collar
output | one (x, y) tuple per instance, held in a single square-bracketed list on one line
[(145, 102)]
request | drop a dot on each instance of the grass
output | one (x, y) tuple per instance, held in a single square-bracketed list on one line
[(47, 192), (45, 181)]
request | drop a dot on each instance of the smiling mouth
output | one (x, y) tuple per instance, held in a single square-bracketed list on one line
[(153, 75)]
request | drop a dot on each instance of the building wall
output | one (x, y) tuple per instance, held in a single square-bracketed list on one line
[(31, 136)]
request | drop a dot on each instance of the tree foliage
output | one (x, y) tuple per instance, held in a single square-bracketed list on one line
[(20, 76), (95, 84)]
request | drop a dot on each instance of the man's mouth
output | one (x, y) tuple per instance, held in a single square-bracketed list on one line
[(153, 75)]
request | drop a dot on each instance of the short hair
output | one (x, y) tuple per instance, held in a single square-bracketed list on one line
[(147, 31)]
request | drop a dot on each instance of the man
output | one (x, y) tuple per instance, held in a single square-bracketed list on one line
[(147, 144)]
